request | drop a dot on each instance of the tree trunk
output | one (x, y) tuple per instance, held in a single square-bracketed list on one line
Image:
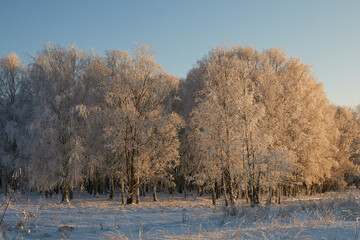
[(64, 193), (131, 180), (279, 194), (217, 190), (122, 192), (228, 187), (137, 190), (238, 192), (96, 188), (213, 194), (246, 193), (201, 190), (102, 187), (112, 182), (130, 194), (256, 195), (256, 191), (225, 194), (4, 180), (270, 193), (231, 193), (143, 190), (295, 189), (71, 192), (154, 193), (184, 189)]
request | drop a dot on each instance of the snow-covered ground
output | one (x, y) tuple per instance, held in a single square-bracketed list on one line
[(325, 216)]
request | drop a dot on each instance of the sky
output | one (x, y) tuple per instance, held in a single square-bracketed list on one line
[(323, 33)]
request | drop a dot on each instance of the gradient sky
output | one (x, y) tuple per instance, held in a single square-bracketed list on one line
[(323, 33)]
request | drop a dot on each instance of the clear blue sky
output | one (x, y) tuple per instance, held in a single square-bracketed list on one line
[(323, 33)]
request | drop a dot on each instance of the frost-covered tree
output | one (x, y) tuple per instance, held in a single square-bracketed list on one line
[(57, 150), (12, 77), (267, 121), (228, 116), (142, 132), (253, 124), (346, 169), (189, 90), (308, 124), (99, 163), (298, 118)]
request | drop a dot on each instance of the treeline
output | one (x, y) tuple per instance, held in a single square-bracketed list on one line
[(243, 124)]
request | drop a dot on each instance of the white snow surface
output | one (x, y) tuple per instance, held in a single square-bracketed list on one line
[(323, 216)]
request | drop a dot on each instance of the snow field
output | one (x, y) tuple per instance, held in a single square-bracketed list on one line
[(324, 216)]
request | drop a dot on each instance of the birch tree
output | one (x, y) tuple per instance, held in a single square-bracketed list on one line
[(269, 121), (222, 125), (346, 169), (12, 76), (57, 151), (143, 133)]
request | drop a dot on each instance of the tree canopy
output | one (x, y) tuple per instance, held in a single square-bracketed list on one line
[(246, 123)]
